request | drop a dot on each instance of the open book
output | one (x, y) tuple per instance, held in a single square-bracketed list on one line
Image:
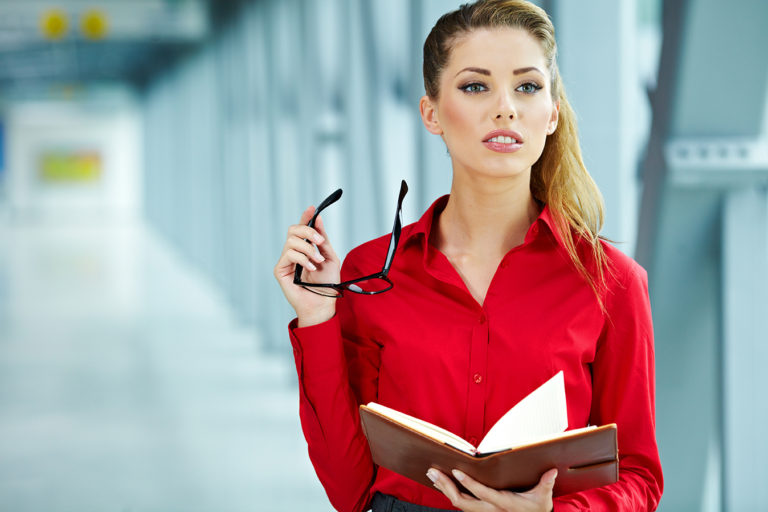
[(526, 442)]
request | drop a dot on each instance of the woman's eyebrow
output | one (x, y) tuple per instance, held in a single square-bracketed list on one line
[(475, 70), (525, 70), (486, 72)]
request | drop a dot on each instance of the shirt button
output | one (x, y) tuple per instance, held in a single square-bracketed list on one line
[(473, 441), (483, 318), (477, 378)]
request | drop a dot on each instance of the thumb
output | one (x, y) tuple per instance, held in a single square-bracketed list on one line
[(547, 480), (543, 490)]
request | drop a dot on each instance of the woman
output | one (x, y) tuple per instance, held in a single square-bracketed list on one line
[(496, 288)]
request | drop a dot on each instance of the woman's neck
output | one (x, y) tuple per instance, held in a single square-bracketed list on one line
[(486, 217)]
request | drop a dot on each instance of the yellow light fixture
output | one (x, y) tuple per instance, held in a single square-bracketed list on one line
[(54, 24), (94, 24)]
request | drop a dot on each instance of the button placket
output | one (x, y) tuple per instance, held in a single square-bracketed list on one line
[(478, 366)]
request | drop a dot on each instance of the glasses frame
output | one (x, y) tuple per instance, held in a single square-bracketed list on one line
[(339, 288)]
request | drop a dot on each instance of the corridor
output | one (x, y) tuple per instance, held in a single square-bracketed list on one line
[(125, 385)]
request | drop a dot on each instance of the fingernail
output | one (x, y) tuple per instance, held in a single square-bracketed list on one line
[(318, 239), (552, 478), (432, 475), (318, 255), (458, 474), (310, 266)]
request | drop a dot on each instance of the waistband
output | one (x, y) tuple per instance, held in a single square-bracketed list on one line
[(386, 503)]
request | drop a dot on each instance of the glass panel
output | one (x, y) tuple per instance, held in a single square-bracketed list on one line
[(370, 285)]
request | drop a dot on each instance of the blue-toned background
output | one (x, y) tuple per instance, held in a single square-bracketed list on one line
[(153, 153)]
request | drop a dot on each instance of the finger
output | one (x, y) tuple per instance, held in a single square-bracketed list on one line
[(330, 253), (545, 486), (547, 480), (447, 487), (299, 258), (306, 215), (300, 245), (305, 233), (320, 226), (480, 491)]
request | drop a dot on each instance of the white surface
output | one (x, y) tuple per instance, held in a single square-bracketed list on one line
[(536, 417)]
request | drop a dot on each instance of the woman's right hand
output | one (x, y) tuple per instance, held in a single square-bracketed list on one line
[(320, 266)]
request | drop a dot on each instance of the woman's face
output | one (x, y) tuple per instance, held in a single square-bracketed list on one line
[(495, 106)]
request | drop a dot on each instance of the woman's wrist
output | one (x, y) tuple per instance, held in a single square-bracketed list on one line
[(315, 317)]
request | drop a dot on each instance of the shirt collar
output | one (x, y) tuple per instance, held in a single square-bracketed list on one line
[(424, 224)]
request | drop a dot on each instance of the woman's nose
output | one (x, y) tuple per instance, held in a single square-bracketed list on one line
[(505, 108)]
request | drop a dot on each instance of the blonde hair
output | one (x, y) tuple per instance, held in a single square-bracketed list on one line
[(559, 178)]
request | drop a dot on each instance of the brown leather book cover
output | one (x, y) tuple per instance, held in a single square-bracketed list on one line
[(584, 460)]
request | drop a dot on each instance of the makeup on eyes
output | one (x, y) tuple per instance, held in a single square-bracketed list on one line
[(536, 87), (470, 84)]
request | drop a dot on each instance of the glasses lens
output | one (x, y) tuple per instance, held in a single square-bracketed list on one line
[(373, 285), (325, 292)]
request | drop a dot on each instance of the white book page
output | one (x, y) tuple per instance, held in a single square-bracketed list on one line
[(541, 415), (424, 427)]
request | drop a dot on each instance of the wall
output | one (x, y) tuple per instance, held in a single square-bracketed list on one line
[(112, 131)]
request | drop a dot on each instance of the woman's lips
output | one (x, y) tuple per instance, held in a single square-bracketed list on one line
[(501, 147), (503, 141)]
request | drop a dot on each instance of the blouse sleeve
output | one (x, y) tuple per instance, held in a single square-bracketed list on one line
[(338, 369), (623, 392)]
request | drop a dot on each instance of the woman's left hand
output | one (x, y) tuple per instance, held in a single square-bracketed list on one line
[(538, 499)]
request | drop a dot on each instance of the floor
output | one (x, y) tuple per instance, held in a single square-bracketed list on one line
[(125, 385)]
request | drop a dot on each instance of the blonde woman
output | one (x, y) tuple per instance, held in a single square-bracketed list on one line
[(497, 287)]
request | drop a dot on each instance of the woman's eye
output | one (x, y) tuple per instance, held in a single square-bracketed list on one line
[(529, 88), (472, 88)]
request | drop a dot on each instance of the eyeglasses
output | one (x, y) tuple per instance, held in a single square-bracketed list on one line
[(367, 285)]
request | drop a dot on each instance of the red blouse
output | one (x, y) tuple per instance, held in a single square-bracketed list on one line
[(427, 348)]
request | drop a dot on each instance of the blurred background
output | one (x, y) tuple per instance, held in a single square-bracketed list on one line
[(153, 153)]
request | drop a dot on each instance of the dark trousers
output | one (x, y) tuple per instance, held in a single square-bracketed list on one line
[(387, 503)]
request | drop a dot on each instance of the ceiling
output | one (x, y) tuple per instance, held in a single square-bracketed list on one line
[(44, 42)]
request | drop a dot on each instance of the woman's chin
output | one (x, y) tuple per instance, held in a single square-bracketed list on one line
[(498, 172)]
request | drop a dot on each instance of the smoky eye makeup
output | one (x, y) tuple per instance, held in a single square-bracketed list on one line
[(529, 87), (473, 87)]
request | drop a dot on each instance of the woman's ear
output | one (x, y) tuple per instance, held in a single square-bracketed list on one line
[(553, 120), (429, 116)]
